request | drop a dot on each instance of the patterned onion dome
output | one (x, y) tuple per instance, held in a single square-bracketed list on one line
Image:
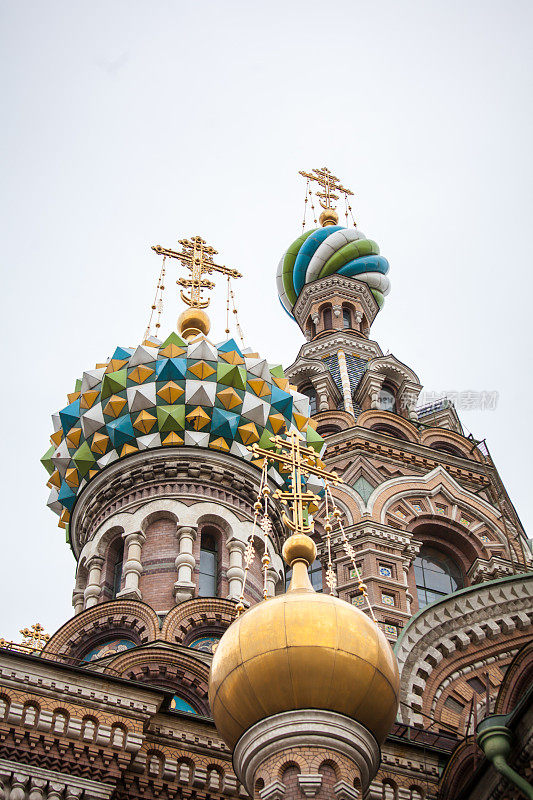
[(169, 394), (326, 251)]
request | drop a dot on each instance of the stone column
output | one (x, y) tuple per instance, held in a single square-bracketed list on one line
[(235, 572), (77, 600), (184, 587), (132, 568), (272, 581), (93, 588)]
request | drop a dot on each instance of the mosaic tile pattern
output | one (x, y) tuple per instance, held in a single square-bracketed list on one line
[(169, 393)]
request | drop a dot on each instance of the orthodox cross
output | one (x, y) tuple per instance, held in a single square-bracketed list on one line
[(34, 637), (301, 461), (329, 183), (197, 256)]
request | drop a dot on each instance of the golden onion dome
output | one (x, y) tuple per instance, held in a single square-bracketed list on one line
[(303, 650)]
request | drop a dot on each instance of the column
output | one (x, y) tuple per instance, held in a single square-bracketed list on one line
[(93, 588), (235, 572), (132, 568), (184, 587), (272, 581), (77, 600)]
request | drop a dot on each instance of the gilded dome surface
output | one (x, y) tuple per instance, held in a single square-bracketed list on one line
[(303, 650), (172, 393)]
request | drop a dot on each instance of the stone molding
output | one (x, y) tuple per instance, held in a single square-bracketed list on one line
[(467, 617), (274, 791), (350, 288), (176, 472), (305, 728), (50, 784)]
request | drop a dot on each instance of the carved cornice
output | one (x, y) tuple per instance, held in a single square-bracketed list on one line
[(466, 617), (320, 290), (180, 473), (338, 340)]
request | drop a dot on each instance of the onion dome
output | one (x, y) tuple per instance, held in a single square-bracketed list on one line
[(327, 251), (172, 393), (303, 650)]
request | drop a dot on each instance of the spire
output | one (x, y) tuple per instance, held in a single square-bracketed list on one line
[(197, 256)]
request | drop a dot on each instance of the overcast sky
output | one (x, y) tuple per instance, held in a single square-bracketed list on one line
[(128, 124)]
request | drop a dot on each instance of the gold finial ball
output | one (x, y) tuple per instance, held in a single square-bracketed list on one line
[(299, 547), (193, 322), (328, 217)]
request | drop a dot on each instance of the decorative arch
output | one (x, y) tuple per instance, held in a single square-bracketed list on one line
[(372, 417), (518, 678), (197, 616), (432, 437), (183, 673), (129, 618), (339, 418)]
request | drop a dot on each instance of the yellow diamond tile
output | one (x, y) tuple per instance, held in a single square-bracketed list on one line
[(170, 392), (232, 357), (57, 437), (229, 398), (171, 351), (140, 374), (116, 364), (259, 387), (64, 518), (73, 437), (54, 480), (72, 478), (282, 383), (88, 398), (219, 444), (73, 396), (300, 420), (277, 422), (173, 439), (248, 433), (114, 405), (99, 443), (198, 418), (127, 449), (92, 473), (202, 370), (145, 422)]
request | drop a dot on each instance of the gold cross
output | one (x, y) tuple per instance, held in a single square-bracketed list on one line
[(197, 256), (35, 637), (329, 183), (301, 461)]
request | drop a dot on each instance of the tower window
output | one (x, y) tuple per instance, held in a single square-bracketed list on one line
[(309, 392), (117, 569), (436, 575), (327, 318), (208, 566), (387, 399), (346, 318), (312, 327), (315, 576)]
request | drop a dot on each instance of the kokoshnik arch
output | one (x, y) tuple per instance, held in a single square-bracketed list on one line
[(200, 487)]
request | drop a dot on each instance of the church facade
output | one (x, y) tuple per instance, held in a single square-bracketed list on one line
[(152, 476)]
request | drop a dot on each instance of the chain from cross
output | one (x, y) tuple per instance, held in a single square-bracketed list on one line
[(35, 637), (301, 461), (329, 183), (197, 256)]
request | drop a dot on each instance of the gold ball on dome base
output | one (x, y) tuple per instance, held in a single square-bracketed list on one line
[(299, 547), (328, 217), (192, 322)]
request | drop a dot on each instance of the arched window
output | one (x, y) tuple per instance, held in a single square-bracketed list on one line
[(312, 327), (30, 714), (436, 575), (309, 392), (327, 430), (327, 318), (117, 568), (315, 576), (387, 398), (208, 566), (346, 317), (389, 430), (59, 721), (450, 449)]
